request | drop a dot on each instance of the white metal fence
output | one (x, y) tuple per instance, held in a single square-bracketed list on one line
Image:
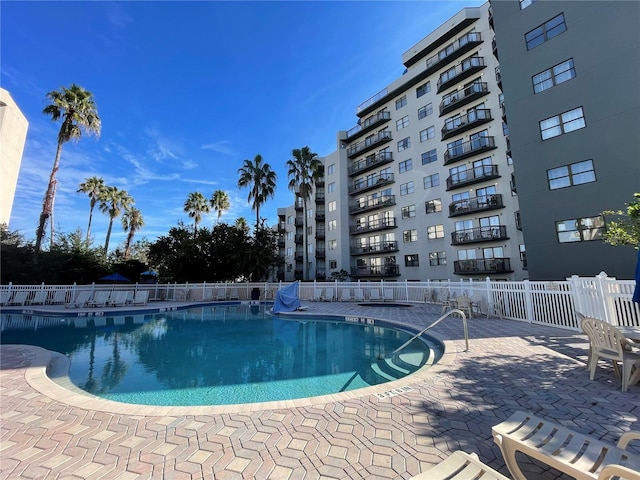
[(548, 303)]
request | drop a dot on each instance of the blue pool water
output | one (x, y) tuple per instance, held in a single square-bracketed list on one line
[(219, 355)]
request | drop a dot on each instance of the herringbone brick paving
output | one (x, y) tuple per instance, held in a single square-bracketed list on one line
[(509, 366)]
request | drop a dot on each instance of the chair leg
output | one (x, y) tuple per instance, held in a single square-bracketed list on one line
[(509, 455)]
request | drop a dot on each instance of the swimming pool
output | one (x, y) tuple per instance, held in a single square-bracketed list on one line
[(221, 355)]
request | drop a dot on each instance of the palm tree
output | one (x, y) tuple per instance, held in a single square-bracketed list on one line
[(93, 187), (195, 206), (304, 171), (113, 202), (132, 221), (262, 181), (220, 202), (242, 225), (78, 111)]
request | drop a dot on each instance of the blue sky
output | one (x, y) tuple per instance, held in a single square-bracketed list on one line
[(187, 90)]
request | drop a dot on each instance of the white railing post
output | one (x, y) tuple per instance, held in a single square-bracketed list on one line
[(528, 300), (603, 298)]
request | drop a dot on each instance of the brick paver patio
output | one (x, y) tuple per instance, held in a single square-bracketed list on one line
[(49, 432)]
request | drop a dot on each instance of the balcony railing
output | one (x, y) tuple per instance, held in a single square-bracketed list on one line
[(370, 101), (456, 74), (468, 149), (369, 143), (369, 163), (299, 238), (282, 227), (321, 274), (375, 181), (320, 182), (299, 257), (372, 204), (299, 206), (379, 224), (368, 124), (459, 48), (462, 123), (319, 234), (482, 266), (299, 222), (281, 242), (391, 246), (320, 216), (320, 197), (476, 204), (389, 270), (320, 253), (297, 274), (481, 234), (459, 98), (472, 175)]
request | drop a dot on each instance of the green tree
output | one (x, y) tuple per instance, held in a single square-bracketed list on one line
[(242, 225), (304, 171), (78, 111), (93, 187), (132, 221), (261, 180), (113, 202), (220, 202), (625, 228), (195, 205)]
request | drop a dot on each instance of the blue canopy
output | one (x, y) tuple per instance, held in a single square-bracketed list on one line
[(287, 299), (115, 277)]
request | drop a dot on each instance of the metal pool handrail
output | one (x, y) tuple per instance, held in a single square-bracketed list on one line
[(464, 323)]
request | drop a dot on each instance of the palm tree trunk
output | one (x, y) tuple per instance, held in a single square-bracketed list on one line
[(47, 203), (90, 219), (305, 253), (128, 245), (106, 242)]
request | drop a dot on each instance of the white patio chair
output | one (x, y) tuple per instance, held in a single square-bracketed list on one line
[(4, 297), (39, 298), (345, 295), (463, 303), (80, 301), (233, 295), (317, 295), (388, 295), (19, 298), (141, 297), (358, 295), (329, 295), (222, 294), (59, 297), (100, 299), (374, 294), (460, 466)]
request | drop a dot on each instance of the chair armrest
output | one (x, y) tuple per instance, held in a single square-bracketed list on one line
[(627, 437), (610, 471)]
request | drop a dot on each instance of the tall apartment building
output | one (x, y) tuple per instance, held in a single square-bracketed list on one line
[(571, 76), (13, 133)]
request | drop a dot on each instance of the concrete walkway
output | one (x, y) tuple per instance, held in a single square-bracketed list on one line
[(49, 432)]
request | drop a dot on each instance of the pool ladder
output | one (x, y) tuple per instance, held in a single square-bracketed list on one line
[(449, 313)]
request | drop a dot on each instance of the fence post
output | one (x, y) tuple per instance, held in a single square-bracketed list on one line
[(528, 301), (608, 307)]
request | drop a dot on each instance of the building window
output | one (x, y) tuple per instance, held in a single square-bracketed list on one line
[(289, 235), (423, 89), (309, 213), (331, 169), (437, 258), (429, 157), (433, 206), (332, 205), (435, 231), (333, 264), (333, 244), (402, 123), (553, 76), (564, 123), (427, 134), (410, 236), (432, 180), (408, 211), (405, 166), (425, 111), (404, 144), (525, 3), (546, 31), (570, 175), (411, 260), (401, 102), (580, 229), (406, 188), (331, 187), (289, 251), (289, 267), (332, 225)]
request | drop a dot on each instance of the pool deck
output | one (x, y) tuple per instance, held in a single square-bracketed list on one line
[(385, 432)]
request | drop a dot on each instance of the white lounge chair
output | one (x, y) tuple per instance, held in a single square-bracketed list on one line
[(317, 295), (59, 297), (39, 298), (460, 466), (345, 295), (328, 295), (4, 297), (120, 299), (130, 294), (374, 295), (233, 294), (606, 341), (100, 299), (222, 294), (581, 456), (80, 301), (388, 295), (358, 296), (19, 298), (141, 297)]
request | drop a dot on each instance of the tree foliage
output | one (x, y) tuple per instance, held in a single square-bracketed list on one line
[(624, 229)]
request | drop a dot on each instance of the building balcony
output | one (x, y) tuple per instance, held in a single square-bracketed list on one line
[(459, 98), (320, 253), (372, 204), (299, 206), (482, 266), (468, 149), (282, 227), (476, 204), (463, 45), (320, 182), (375, 181), (367, 125), (320, 216), (494, 48), (481, 234), (299, 238), (381, 247), (370, 163), (299, 257), (369, 143), (499, 77), (321, 274), (379, 224), (281, 242), (320, 197), (299, 222), (465, 69), (462, 123), (390, 270), (472, 175), (297, 274), (319, 234)]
